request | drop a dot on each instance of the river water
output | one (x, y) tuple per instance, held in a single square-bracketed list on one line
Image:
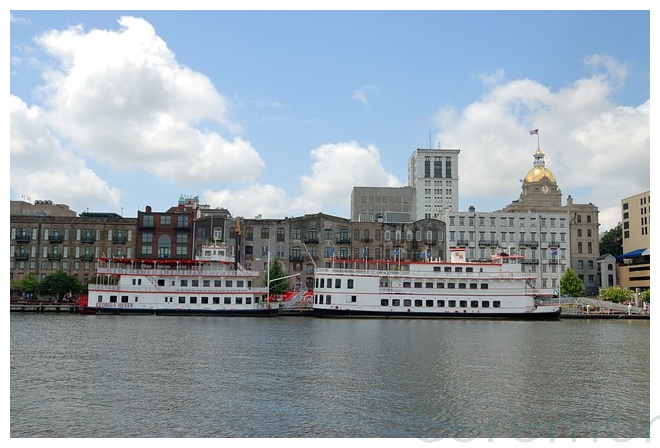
[(296, 377)]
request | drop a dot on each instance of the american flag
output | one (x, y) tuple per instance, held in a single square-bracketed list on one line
[(534, 131)]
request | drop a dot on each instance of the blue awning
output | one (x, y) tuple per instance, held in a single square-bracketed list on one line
[(632, 254)]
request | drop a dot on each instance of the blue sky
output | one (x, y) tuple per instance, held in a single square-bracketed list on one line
[(282, 113)]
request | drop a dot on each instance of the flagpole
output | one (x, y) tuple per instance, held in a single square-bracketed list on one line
[(538, 137)]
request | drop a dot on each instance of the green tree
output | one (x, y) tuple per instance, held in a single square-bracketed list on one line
[(571, 285), (278, 284), (27, 284), (612, 241), (616, 294), (645, 296), (60, 283)]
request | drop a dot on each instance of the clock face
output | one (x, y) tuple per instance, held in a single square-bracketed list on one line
[(545, 189)]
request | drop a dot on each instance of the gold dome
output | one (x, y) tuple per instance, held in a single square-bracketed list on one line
[(537, 173)]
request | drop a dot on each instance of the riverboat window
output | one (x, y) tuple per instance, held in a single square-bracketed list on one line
[(485, 304), (182, 299), (205, 300), (484, 286), (396, 302), (206, 283), (406, 284), (113, 299), (496, 304), (161, 282), (473, 286), (418, 284), (353, 299), (458, 269), (193, 299), (429, 302), (337, 283), (329, 282), (216, 300), (428, 285), (447, 268), (195, 283), (229, 283), (99, 298), (137, 281), (349, 283), (469, 269), (321, 299), (407, 302), (217, 283), (463, 303), (451, 285), (384, 302), (248, 300), (418, 302), (437, 269), (440, 303), (461, 286), (452, 304), (184, 282), (124, 299), (240, 283), (327, 299), (239, 300), (227, 300), (474, 303), (322, 280), (440, 285)]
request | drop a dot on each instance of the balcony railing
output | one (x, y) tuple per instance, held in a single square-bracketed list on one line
[(343, 240), (488, 242), (119, 240), (88, 239), (528, 243), (53, 239), (54, 257), (21, 256), (87, 257), (22, 238)]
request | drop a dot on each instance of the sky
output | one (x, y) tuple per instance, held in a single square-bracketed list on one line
[(281, 113)]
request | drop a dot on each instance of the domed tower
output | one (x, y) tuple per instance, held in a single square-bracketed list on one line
[(539, 186)]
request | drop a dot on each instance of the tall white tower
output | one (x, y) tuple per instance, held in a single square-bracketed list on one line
[(434, 175)]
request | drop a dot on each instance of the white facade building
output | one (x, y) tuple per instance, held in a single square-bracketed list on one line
[(434, 175)]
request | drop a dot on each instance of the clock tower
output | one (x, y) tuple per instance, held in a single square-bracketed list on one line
[(539, 185)]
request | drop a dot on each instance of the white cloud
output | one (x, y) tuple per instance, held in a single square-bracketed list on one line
[(121, 98), (361, 96), (336, 169), (597, 150), (42, 169)]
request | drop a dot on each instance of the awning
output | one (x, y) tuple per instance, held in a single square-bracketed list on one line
[(632, 254)]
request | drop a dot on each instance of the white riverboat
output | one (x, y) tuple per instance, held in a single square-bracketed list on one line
[(498, 289), (212, 284)]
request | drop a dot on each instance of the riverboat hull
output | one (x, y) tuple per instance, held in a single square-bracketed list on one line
[(180, 312), (363, 314)]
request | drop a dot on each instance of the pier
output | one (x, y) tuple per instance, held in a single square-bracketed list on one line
[(43, 307)]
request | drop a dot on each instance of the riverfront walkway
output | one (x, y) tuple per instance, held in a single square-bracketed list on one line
[(587, 307)]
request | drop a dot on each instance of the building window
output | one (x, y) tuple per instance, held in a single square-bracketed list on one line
[(182, 221)]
